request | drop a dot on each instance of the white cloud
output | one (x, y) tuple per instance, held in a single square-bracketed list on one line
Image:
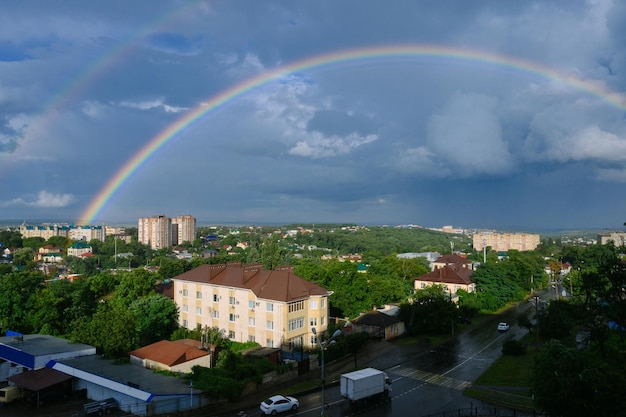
[(591, 143), (320, 146), (44, 199), (152, 104)]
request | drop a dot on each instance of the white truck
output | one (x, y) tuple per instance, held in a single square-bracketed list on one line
[(360, 385), (10, 393)]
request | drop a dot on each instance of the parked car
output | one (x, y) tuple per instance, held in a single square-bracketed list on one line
[(279, 403), (503, 327), (464, 320)]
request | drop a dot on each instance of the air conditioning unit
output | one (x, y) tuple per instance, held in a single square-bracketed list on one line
[(258, 304), (180, 291), (236, 316), (252, 310), (237, 302)]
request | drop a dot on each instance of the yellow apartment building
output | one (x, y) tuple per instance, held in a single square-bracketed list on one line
[(274, 308), (502, 242)]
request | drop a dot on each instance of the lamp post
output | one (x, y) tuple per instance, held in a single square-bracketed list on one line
[(323, 346)]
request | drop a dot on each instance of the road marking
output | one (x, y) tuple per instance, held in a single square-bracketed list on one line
[(435, 379)]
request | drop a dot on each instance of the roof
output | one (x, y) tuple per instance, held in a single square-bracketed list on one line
[(278, 285), (169, 353), (448, 274), (38, 379), (452, 258), (375, 318)]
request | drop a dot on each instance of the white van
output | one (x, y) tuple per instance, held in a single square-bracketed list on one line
[(10, 393)]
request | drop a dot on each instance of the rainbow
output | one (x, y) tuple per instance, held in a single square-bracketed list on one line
[(178, 127), (86, 76)]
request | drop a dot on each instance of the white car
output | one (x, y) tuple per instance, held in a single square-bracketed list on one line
[(279, 403), (503, 327)]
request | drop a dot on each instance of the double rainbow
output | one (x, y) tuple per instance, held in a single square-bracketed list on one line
[(104, 196)]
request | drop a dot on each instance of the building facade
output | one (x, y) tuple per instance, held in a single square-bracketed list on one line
[(183, 229), (155, 231), (273, 308), (618, 238), (85, 233), (502, 242)]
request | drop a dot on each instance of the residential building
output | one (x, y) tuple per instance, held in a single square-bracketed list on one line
[(49, 253), (87, 233), (274, 308), (44, 231), (155, 231), (502, 242), (183, 229), (174, 356), (451, 259), (618, 238), (380, 323), (79, 249), (452, 271)]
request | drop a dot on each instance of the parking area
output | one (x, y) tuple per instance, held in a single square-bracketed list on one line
[(72, 407)]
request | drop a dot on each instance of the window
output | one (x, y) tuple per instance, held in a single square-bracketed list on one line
[(313, 321), (216, 298), (251, 338), (251, 321), (199, 295), (270, 325), (269, 343), (313, 340), (295, 343), (322, 321), (296, 324), (185, 323), (296, 306), (251, 304), (185, 293), (185, 307), (231, 301), (216, 314), (270, 307), (199, 311), (313, 304), (422, 285), (231, 334), (231, 317), (322, 303)]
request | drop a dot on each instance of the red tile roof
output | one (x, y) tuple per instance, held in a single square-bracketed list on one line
[(448, 274), (169, 353), (279, 285), (452, 259)]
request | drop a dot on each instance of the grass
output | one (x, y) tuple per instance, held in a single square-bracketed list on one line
[(507, 382)]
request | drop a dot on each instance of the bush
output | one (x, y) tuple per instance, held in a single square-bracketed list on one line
[(514, 348)]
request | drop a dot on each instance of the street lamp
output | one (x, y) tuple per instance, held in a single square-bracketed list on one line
[(323, 346), (536, 297)]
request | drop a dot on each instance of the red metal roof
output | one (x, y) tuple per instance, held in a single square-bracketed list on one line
[(279, 284)]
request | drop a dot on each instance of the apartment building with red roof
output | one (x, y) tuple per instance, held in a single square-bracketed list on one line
[(274, 308)]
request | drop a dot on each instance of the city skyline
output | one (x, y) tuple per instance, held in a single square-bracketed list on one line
[(480, 115)]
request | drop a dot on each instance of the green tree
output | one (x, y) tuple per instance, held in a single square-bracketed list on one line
[(10, 239), (17, 299), (565, 382), (134, 285), (112, 330), (431, 310), (23, 259), (156, 317)]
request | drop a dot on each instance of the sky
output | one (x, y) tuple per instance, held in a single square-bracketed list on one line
[(481, 114)]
